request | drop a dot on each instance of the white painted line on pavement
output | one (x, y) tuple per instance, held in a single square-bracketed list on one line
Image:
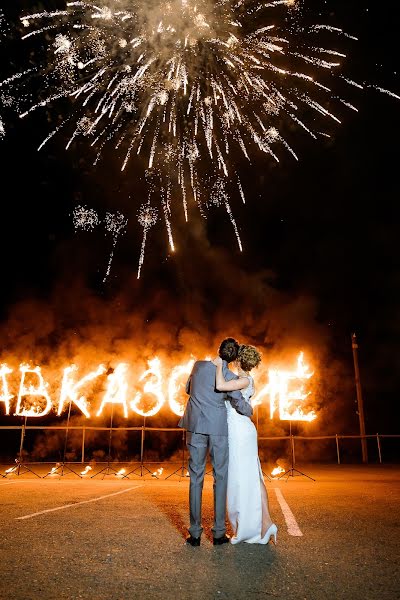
[(15, 481), (48, 510), (292, 527)]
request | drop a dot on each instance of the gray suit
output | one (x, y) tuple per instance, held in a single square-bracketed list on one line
[(206, 422)]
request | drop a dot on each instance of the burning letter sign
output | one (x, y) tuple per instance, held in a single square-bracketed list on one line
[(285, 390)]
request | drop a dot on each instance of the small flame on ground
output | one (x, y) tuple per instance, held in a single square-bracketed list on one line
[(277, 471), (159, 472), (11, 469), (86, 470), (54, 469), (120, 473)]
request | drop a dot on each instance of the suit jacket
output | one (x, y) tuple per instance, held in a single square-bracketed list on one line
[(206, 411)]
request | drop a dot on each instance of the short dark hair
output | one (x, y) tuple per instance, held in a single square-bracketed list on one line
[(229, 349)]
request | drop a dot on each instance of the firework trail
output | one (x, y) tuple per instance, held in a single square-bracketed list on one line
[(3, 29), (147, 218), (87, 219), (191, 86), (115, 224)]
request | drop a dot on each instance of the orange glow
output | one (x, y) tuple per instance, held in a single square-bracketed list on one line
[(69, 389), (176, 389), (37, 409), (258, 398), (5, 395), (153, 386), (120, 473), (117, 389), (283, 399)]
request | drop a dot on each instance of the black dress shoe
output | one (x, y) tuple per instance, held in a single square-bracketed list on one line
[(193, 541), (225, 539)]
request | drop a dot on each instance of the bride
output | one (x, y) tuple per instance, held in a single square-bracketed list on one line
[(247, 496)]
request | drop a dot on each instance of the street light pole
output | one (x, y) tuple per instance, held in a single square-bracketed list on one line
[(364, 450)]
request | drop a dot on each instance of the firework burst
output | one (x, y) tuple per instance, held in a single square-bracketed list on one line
[(85, 218), (191, 86)]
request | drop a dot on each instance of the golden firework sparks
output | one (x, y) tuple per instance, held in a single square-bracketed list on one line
[(186, 84)]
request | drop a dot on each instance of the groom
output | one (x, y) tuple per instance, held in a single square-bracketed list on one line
[(206, 422)]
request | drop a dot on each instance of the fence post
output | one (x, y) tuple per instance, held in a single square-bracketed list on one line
[(21, 444), (142, 447), (379, 448), (293, 453), (337, 449), (83, 446), (360, 403)]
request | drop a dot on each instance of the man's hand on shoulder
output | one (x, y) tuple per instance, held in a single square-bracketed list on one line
[(217, 361)]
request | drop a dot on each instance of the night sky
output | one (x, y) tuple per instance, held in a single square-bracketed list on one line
[(321, 251)]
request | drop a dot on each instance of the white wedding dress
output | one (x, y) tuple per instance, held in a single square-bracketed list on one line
[(245, 479)]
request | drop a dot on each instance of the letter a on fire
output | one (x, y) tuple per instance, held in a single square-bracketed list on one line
[(117, 390)]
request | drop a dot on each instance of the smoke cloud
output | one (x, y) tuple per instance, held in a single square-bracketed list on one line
[(209, 296)]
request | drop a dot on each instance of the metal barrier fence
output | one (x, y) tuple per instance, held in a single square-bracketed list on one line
[(378, 437), (143, 429)]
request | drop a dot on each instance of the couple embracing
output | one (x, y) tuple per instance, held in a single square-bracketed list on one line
[(217, 419)]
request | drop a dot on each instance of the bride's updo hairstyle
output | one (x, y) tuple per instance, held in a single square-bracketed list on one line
[(249, 357)]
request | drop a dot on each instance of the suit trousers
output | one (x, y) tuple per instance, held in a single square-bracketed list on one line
[(198, 444)]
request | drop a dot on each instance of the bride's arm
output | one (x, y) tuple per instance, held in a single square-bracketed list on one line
[(228, 386), (235, 397)]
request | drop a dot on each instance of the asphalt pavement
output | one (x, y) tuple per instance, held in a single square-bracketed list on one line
[(113, 539)]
